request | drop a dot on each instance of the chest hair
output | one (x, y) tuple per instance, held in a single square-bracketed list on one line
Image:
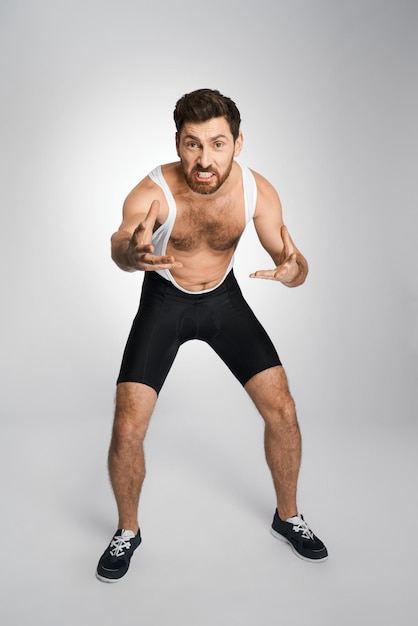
[(216, 225)]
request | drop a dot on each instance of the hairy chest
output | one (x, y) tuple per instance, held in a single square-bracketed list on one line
[(217, 225)]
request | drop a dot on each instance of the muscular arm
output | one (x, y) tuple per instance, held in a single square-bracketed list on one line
[(291, 267), (131, 245)]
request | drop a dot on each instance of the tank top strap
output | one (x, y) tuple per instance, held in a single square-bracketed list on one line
[(250, 192)]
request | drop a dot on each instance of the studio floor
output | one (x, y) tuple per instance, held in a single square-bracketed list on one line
[(207, 557)]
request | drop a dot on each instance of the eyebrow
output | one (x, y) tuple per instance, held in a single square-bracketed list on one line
[(211, 139)]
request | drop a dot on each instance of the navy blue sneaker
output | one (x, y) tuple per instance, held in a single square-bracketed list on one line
[(299, 536), (114, 562)]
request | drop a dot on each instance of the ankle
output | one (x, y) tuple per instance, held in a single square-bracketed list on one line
[(127, 524), (287, 512)]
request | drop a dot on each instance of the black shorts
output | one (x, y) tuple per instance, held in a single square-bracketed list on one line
[(168, 317)]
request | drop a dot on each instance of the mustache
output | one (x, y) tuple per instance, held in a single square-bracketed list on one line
[(203, 169)]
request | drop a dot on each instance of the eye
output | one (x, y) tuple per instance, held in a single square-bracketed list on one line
[(219, 144)]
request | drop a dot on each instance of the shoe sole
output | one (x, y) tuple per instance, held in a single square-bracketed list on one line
[(289, 543), (107, 580)]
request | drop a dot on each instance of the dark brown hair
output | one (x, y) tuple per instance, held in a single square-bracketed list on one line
[(204, 104)]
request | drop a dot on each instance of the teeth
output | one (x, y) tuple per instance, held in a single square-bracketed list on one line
[(204, 174)]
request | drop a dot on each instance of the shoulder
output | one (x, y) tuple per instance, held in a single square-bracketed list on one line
[(267, 195), (146, 187), (138, 202), (147, 190)]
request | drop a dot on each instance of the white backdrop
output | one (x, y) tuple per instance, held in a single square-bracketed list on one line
[(328, 96)]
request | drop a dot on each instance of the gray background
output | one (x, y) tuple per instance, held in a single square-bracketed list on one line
[(328, 96)]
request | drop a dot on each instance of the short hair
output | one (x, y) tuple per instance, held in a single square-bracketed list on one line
[(204, 104)]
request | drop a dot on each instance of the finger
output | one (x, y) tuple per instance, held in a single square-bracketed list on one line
[(143, 232), (144, 249), (149, 219), (138, 246), (151, 259), (152, 213), (150, 262), (159, 260), (162, 266), (263, 274), (283, 271), (139, 235)]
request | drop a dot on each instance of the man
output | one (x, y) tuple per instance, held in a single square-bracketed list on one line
[(181, 226)]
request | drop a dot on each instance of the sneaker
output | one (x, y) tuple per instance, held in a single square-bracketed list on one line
[(114, 562), (299, 536)]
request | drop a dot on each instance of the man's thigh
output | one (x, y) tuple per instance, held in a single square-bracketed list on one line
[(135, 403), (241, 341)]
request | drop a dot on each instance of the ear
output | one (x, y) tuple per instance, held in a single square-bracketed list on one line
[(177, 144), (238, 144)]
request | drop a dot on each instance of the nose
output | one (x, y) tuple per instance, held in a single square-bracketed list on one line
[(205, 157)]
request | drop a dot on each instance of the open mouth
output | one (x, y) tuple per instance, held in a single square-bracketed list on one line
[(204, 176)]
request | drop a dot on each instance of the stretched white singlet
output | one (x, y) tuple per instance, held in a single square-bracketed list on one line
[(162, 234)]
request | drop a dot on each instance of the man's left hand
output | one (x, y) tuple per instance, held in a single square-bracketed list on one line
[(291, 270)]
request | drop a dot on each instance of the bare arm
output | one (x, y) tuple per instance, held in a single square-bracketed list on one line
[(132, 249), (291, 267)]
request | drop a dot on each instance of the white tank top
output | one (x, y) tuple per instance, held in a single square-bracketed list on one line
[(162, 234)]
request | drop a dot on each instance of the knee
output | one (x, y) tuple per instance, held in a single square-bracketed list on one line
[(281, 413), (126, 428), (129, 426)]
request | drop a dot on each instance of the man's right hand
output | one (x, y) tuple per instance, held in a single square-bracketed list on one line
[(140, 249)]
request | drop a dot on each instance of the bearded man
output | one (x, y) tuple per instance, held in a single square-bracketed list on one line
[(181, 225)]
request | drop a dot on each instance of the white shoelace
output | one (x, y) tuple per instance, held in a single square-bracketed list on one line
[(300, 526), (121, 543)]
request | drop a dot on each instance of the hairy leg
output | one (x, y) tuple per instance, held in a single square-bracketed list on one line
[(134, 405), (270, 393)]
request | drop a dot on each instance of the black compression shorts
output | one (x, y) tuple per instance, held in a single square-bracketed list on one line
[(168, 317)]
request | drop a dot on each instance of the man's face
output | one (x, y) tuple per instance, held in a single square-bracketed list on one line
[(206, 151)]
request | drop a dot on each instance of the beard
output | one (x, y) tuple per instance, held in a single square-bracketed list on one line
[(206, 187)]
